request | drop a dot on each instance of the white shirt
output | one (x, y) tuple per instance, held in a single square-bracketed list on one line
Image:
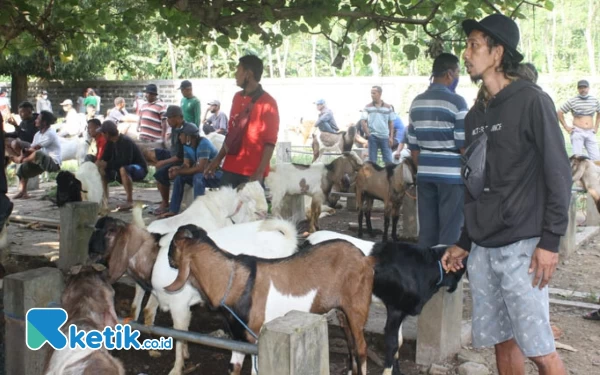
[(49, 142)]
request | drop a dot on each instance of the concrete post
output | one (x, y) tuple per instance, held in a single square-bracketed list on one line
[(439, 327), (283, 152), (592, 217), (23, 291), (77, 220), (568, 241), (294, 344), (33, 183), (410, 222)]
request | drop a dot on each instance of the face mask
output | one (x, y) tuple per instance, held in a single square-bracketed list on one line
[(45, 96), (584, 96), (453, 85)]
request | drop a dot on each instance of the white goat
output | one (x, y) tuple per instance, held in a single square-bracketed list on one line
[(316, 180), (92, 186), (267, 239), (73, 149), (216, 139)]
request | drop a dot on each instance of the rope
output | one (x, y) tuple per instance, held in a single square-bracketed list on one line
[(414, 197), (222, 303), (441, 273), (22, 318)]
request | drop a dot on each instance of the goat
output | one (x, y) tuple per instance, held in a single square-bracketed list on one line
[(224, 206), (88, 300), (68, 188), (316, 180), (127, 247), (334, 142), (406, 277), (73, 149), (216, 139), (388, 184), (587, 172), (331, 275), (92, 186)]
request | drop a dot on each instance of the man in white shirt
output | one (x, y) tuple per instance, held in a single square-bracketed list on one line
[(42, 156), (74, 124)]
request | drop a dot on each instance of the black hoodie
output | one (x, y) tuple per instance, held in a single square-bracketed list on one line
[(528, 175)]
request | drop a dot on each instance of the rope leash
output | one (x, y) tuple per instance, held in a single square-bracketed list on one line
[(222, 303), (441, 273)]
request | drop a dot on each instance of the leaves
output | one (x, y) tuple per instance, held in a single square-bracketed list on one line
[(411, 51)]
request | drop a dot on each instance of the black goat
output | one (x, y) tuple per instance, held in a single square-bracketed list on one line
[(406, 277), (68, 188)]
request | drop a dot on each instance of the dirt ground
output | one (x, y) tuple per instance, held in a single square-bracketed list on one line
[(580, 273)]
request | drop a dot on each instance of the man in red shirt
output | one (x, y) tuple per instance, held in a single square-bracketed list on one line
[(96, 141), (251, 161)]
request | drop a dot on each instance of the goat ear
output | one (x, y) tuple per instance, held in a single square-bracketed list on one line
[(182, 275), (118, 258), (98, 267), (74, 270)]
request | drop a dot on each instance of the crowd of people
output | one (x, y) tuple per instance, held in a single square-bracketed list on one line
[(493, 180)]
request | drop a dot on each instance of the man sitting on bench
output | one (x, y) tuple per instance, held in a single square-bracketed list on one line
[(198, 152), (122, 161)]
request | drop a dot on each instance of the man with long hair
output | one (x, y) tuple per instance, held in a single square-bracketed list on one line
[(518, 181)]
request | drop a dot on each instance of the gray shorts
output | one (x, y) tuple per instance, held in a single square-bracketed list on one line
[(505, 305)]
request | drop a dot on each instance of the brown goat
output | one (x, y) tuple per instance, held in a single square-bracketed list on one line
[(88, 300), (388, 184), (125, 248), (331, 275), (586, 171)]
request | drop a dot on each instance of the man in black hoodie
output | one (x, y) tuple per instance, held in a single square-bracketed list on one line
[(518, 181)]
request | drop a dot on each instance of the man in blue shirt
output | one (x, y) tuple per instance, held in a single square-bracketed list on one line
[(436, 137), (197, 154), (378, 126)]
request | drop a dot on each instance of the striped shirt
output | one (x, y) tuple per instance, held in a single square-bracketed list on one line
[(580, 106), (151, 115), (436, 129), (378, 119)]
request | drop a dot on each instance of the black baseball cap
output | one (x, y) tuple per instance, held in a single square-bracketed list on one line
[(583, 83)]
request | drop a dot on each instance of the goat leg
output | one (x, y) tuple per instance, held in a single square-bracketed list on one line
[(392, 327), (395, 227), (181, 320), (349, 340), (368, 217), (136, 304), (360, 222)]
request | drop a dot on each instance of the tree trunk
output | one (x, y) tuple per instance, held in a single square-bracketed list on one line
[(314, 56), (550, 55), (172, 57), (286, 52), (270, 53), (18, 91), (331, 58), (589, 37), (352, 53)]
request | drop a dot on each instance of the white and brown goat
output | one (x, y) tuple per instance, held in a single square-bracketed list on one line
[(331, 275), (88, 299), (332, 142), (388, 184), (316, 180), (587, 172)]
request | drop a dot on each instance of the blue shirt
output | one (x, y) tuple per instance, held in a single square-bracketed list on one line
[(378, 119), (436, 128), (204, 150), (399, 128)]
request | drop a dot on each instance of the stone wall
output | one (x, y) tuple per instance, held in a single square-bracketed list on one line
[(346, 96)]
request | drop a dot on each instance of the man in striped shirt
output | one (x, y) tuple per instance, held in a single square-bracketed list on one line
[(152, 126), (436, 136), (377, 122), (583, 132)]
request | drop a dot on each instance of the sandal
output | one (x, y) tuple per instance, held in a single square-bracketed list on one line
[(594, 315), (160, 211)]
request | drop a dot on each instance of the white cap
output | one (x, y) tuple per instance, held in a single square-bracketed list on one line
[(67, 101)]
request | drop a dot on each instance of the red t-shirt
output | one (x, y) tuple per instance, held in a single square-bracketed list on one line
[(100, 145), (262, 129)]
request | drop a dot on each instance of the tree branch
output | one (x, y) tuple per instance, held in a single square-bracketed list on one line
[(488, 3), (512, 15)]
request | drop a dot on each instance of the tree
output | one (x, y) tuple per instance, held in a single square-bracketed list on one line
[(62, 38)]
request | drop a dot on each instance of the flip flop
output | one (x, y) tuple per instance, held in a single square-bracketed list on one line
[(595, 315), (160, 211)]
